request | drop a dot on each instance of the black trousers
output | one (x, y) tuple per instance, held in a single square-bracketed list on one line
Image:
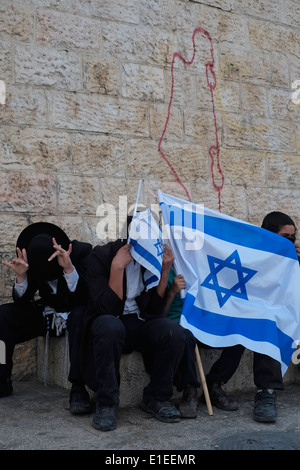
[(20, 323), (266, 371), (160, 340), (186, 373)]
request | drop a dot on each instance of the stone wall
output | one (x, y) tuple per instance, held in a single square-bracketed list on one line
[(96, 100)]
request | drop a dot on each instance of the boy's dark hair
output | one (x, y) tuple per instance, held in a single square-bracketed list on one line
[(275, 220)]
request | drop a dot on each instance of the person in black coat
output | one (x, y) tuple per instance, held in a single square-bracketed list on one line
[(49, 297), (123, 316)]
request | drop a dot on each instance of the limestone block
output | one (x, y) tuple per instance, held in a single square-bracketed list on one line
[(5, 61), (88, 232), (231, 29), (61, 29), (297, 129), (93, 112), (133, 379), (243, 167), (17, 20), (227, 98), (45, 66), (290, 14), (256, 67), (263, 134), (10, 228), (35, 149), (204, 193), (25, 360), (7, 278), (27, 192), (254, 100), (234, 201), (266, 199), (142, 82), (266, 9), (137, 44), (53, 363), (199, 125), (144, 159), (281, 105), (158, 119), (98, 155), (185, 88), (174, 16), (101, 75), (77, 195), (24, 106), (274, 38), (283, 169), (190, 161), (118, 10)]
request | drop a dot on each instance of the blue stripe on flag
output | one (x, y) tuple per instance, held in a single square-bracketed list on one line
[(145, 254), (257, 330), (151, 279), (233, 231)]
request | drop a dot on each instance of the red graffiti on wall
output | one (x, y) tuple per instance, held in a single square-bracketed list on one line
[(214, 150)]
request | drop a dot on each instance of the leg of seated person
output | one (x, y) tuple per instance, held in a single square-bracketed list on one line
[(267, 377), (163, 340), (186, 378), (220, 373), (79, 397), (108, 342), (17, 325)]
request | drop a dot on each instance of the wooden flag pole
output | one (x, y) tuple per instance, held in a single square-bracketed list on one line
[(137, 198), (203, 381)]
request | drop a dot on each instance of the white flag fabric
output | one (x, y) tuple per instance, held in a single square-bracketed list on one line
[(242, 281), (145, 237)]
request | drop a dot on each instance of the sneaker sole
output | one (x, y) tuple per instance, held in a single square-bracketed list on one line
[(157, 416), (264, 420), (80, 411), (104, 429)]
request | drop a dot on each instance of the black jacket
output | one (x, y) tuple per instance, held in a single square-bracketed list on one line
[(39, 292), (104, 301)]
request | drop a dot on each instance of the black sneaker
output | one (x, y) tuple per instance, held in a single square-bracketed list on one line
[(79, 400), (219, 398), (265, 407), (105, 418), (6, 388), (162, 410)]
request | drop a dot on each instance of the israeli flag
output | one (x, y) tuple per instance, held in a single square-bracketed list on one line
[(145, 237), (243, 282)]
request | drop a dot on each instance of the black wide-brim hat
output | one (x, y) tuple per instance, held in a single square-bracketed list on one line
[(37, 241)]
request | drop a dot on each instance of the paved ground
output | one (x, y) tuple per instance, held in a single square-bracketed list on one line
[(37, 418)]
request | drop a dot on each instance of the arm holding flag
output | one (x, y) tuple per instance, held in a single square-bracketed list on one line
[(175, 285), (168, 259), (118, 265)]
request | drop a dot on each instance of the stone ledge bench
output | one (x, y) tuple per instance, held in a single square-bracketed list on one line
[(133, 374), (29, 363)]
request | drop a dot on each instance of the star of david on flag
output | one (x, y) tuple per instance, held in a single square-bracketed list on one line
[(232, 262), (145, 237), (242, 281)]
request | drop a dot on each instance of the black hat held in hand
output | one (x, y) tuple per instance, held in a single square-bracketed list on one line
[(37, 240)]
